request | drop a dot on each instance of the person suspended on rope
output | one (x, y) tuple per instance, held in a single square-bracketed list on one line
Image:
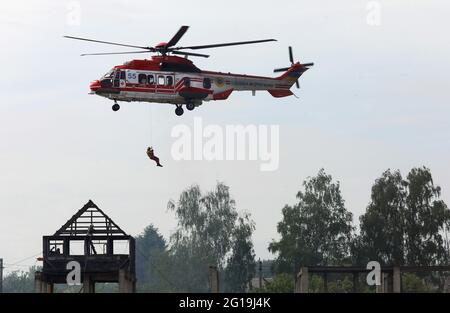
[(152, 156)]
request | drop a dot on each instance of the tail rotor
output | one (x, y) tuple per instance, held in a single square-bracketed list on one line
[(305, 66)]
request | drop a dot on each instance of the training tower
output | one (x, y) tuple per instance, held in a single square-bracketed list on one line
[(105, 253)]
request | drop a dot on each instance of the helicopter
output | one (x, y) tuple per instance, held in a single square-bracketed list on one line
[(171, 77)]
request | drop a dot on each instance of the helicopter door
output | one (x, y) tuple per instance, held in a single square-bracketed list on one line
[(119, 79), (160, 83), (165, 83)]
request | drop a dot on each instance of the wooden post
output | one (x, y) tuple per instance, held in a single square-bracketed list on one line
[(396, 280), (43, 287), (1, 275), (260, 274), (88, 284), (127, 284), (110, 246), (388, 283), (355, 282), (302, 281), (37, 282), (66, 247), (214, 279), (379, 288), (48, 287), (382, 287), (40, 285)]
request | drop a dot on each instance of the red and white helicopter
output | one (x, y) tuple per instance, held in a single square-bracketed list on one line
[(167, 78)]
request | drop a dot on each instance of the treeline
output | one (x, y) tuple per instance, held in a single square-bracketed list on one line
[(405, 223)]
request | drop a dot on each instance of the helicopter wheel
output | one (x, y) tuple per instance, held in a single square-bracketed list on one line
[(190, 106), (179, 110), (116, 107)]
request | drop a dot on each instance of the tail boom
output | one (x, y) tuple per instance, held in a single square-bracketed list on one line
[(287, 80)]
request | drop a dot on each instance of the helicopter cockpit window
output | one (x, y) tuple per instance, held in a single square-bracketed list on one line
[(151, 79), (122, 74), (142, 79), (108, 75), (107, 80), (169, 81)]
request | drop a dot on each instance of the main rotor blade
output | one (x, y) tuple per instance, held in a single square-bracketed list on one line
[(111, 53), (223, 44), (177, 36), (308, 64), (191, 54), (291, 55), (108, 43)]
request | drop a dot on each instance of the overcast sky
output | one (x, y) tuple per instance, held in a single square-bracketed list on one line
[(377, 98)]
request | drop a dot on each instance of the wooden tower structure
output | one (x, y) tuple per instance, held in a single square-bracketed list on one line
[(103, 251)]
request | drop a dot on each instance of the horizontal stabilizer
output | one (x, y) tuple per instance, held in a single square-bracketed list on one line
[(280, 93)]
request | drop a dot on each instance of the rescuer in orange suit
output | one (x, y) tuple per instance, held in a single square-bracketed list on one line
[(152, 156)]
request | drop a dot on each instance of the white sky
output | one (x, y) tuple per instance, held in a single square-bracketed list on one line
[(377, 98)]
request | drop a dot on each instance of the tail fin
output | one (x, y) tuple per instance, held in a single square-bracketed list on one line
[(293, 73), (287, 80)]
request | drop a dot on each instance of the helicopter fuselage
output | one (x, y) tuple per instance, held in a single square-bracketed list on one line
[(176, 80)]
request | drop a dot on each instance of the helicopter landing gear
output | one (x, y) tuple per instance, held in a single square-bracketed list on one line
[(179, 110), (190, 106), (116, 106)]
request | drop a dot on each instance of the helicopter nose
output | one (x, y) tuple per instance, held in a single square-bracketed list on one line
[(95, 86)]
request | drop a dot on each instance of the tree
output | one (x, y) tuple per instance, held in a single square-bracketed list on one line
[(150, 250), (404, 222), (427, 218), (211, 232), (315, 231), (382, 226), (241, 263)]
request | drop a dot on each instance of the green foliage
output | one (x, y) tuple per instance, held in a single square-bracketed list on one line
[(316, 284), (187, 268), (211, 233), (281, 283), (241, 263), (315, 231), (160, 270), (338, 283), (412, 283), (19, 281), (404, 222), (340, 286), (150, 254), (382, 226), (425, 220)]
